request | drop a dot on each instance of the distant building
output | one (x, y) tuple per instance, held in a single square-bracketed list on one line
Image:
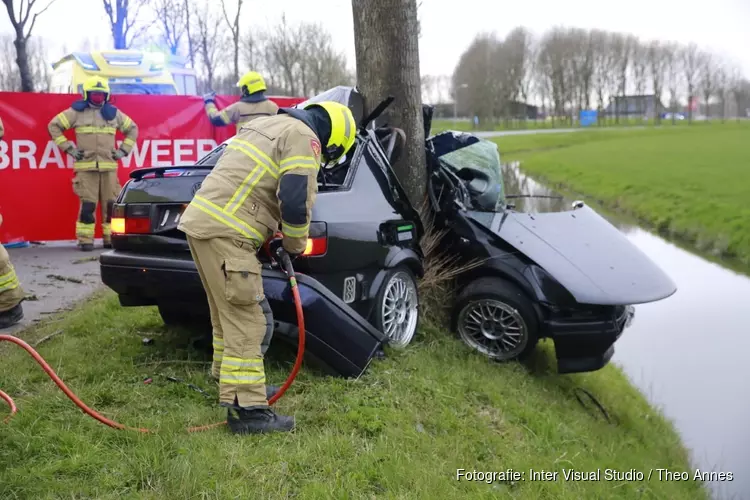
[(634, 105)]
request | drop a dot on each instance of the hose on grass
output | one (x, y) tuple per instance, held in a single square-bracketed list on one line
[(287, 263)]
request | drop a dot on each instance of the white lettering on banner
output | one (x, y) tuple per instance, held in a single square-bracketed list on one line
[(180, 152), (23, 153), (159, 148), (205, 146), (4, 158), (28, 155), (52, 154)]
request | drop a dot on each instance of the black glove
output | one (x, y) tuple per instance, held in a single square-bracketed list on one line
[(118, 153), (76, 153), (209, 97), (277, 245)]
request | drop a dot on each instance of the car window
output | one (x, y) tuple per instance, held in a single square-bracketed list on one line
[(482, 156), (212, 157)]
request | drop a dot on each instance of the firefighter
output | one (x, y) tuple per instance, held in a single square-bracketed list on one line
[(266, 176), (253, 103), (11, 293), (95, 121)]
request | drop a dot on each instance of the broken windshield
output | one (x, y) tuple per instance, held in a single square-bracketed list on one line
[(479, 165)]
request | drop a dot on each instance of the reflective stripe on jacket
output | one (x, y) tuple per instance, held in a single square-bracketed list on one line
[(95, 135), (266, 176), (240, 112)]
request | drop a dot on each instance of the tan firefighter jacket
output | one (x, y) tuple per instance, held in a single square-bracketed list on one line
[(95, 134), (240, 112), (266, 175)]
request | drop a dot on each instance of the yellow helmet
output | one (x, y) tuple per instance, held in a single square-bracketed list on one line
[(343, 129), (251, 82), (95, 84)]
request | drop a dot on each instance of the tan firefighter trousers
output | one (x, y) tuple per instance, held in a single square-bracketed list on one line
[(93, 186), (11, 292), (241, 318)]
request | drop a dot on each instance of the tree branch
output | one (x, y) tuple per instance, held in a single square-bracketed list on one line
[(33, 19)]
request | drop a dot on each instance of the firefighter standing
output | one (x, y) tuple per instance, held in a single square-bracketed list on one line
[(266, 175), (11, 293), (253, 103), (95, 121)]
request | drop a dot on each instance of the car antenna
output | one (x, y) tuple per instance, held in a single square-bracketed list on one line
[(376, 112)]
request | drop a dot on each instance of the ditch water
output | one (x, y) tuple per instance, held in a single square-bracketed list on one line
[(688, 353)]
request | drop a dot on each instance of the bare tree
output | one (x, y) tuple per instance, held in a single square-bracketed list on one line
[(123, 21), (234, 28), (740, 90), (209, 41), (673, 63), (23, 24), (707, 80), (658, 62), (640, 66), (691, 68), (723, 82), (187, 11), (173, 22), (387, 52)]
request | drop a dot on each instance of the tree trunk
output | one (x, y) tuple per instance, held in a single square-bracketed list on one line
[(387, 50), (22, 60)]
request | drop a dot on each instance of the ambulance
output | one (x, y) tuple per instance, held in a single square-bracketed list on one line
[(127, 71)]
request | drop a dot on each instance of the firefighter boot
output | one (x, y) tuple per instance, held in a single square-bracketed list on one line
[(11, 316), (257, 421), (86, 247)]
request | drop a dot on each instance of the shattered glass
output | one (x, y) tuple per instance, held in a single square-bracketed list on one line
[(482, 156)]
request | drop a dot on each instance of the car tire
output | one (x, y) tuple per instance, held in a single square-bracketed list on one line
[(396, 309), (495, 318)]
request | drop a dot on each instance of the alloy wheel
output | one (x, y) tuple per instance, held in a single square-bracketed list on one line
[(400, 309), (493, 328)]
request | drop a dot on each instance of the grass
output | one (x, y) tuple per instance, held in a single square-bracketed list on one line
[(399, 432), (688, 183), (465, 125)]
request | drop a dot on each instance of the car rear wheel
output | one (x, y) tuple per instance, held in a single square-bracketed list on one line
[(495, 318), (397, 307)]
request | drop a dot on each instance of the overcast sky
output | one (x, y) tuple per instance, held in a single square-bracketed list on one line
[(449, 26)]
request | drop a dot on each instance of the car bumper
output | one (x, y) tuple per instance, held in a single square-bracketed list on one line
[(335, 333), (585, 346)]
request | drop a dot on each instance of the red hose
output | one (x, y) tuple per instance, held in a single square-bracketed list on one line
[(111, 423)]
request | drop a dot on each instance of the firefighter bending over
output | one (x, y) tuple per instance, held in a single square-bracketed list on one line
[(95, 122), (267, 175), (253, 103)]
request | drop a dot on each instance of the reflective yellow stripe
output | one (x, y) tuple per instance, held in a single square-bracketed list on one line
[(64, 120), (60, 140), (242, 371), (298, 159), (9, 280), (294, 231), (263, 164), (103, 165), (227, 219), (298, 164), (218, 348), (85, 229), (96, 130), (225, 116), (128, 142), (106, 229), (257, 151), (126, 124)]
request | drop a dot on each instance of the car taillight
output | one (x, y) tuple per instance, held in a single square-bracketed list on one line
[(314, 247), (131, 219)]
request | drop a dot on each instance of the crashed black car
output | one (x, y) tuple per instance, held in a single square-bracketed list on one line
[(357, 277), (569, 276)]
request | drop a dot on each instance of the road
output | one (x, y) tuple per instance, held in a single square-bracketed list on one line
[(55, 276)]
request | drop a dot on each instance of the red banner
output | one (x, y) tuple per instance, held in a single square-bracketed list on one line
[(36, 190)]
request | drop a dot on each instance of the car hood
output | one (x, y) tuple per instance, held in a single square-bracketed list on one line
[(586, 254)]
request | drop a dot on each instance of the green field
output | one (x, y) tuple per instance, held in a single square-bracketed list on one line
[(688, 183), (401, 431), (441, 124)]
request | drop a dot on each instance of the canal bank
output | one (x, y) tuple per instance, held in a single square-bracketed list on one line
[(685, 353)]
